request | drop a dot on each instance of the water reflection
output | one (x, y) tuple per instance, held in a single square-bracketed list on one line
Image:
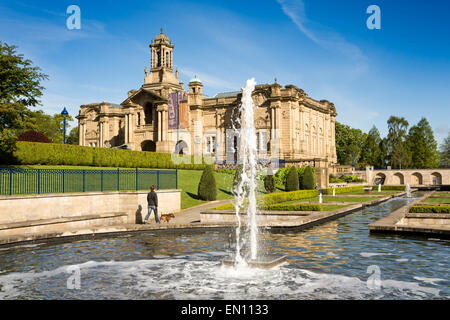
[(325, 262)]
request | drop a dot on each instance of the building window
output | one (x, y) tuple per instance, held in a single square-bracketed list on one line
[(210, 144)]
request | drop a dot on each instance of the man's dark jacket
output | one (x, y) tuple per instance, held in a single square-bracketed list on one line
[(152, 199)]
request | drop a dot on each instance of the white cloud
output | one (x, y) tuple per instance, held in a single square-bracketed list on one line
[(329, 39)]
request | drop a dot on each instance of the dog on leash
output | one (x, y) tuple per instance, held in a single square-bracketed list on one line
[(166, 217)]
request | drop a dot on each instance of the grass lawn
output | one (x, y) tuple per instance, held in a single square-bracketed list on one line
[(438, 200), (442, 194)]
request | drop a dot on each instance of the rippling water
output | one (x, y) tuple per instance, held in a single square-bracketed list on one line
[(330, 261)]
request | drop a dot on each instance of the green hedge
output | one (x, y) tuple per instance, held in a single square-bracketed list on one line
[(294, 207), (390, 188), (429, 209), (328, 191), (286, 196), (32, 153)]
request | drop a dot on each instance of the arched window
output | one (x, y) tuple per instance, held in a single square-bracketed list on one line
[(167, 59)]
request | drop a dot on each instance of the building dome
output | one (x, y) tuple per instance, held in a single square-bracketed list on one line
[(162, 36), (195, 79)]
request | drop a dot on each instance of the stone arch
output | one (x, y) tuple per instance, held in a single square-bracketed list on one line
[(436, 178), (380, 178), (416, 179), (148, 145), (181, 147), (398, 178)]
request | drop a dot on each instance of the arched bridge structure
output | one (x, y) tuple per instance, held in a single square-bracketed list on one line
[(413, 177)]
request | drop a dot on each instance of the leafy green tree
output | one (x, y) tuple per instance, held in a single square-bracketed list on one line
[(445, 152), (401, 156), (371, 153), (348, 142), (73, 136), (422, 145), (292, 180), (396, 145), (51, 126), (20, 88), (309, 179), (207, 185)]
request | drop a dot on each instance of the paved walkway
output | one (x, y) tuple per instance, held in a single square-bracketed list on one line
[(192, 215)]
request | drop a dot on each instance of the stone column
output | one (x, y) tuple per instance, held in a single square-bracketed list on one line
[(130, 127), (126, 129), (100, 134)]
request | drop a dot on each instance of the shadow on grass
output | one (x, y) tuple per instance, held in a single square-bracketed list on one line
[(193, 196), (226, 191)]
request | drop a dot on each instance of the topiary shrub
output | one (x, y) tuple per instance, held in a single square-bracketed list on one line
[(309, 179), (33, 136), (207, 185), (237, 180), (292, 180), (269, 181)]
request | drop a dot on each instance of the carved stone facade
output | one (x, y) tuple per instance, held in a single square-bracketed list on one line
[(302, 128)]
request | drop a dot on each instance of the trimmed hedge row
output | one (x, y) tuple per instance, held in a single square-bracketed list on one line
[(294, 207), (429, 209), (275, 198), (328, 191), (32, 153), (390, 188), (286, 196)]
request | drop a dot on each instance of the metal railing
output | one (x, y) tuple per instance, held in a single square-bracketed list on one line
[(18, 181)]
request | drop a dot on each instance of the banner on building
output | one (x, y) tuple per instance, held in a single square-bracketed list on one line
[(178, 106), (173, 110)]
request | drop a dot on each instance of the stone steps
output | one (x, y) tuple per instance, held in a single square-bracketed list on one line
[(59, 226)]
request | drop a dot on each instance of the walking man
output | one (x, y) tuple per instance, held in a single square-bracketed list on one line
[(152, 200)]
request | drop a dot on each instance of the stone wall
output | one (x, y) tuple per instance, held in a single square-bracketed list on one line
[(49, 206)]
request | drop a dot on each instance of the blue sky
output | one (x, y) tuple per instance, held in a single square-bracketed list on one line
[(323, 47)]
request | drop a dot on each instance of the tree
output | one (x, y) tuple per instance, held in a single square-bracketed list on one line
[(207, 185), (269, 181), (73, 136), (348, 142), (309, 179), (51, 126), (422, 145), (292, 180), (401, 156), (445, 152), (20, 88), (396, 144), (371, 151), (33, 136)]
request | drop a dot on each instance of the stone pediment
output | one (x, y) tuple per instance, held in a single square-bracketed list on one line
[(139, 94)]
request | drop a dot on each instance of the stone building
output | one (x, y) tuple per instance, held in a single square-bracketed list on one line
[(302, 129)]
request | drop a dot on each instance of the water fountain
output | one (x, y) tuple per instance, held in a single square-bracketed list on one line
[(408, 190), (246, 189), (379, 187)]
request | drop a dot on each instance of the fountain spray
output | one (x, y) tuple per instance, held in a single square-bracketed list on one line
[(247, 185)]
